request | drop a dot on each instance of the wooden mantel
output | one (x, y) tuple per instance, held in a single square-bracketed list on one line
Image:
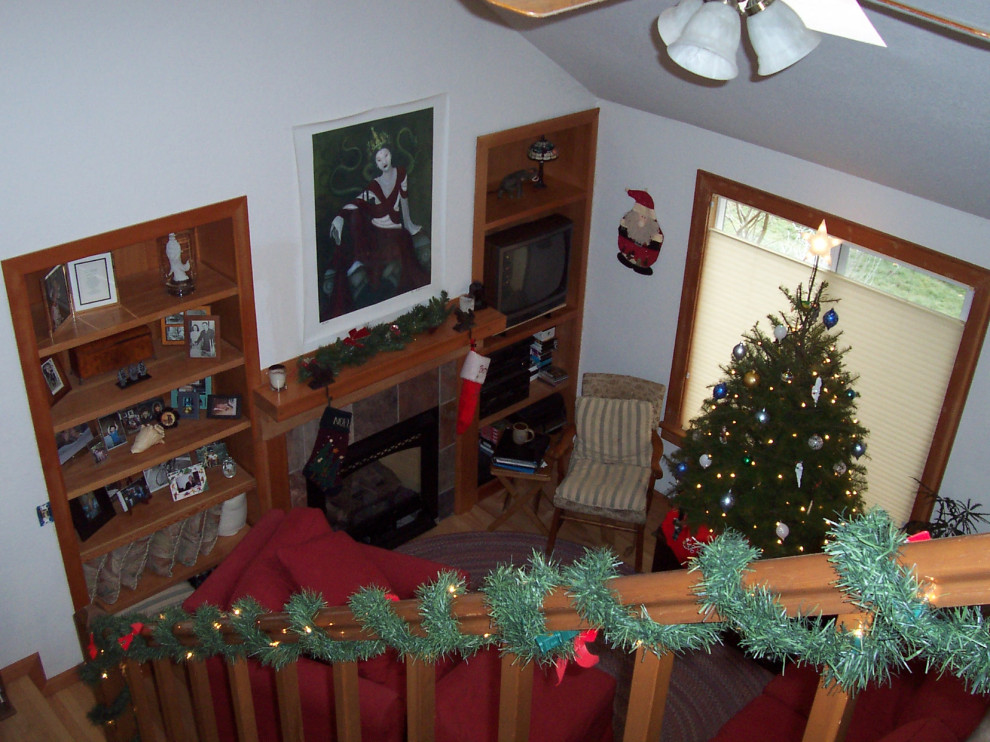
[(280, 412)]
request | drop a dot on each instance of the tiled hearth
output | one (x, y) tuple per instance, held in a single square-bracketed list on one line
[(435, 388)]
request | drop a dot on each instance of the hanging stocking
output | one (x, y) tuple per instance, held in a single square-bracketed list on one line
[(473, 374), (329, 450)]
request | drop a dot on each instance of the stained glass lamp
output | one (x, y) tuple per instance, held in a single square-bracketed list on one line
[(542, 151)]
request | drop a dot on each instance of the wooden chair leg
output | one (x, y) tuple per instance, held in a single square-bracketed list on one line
[(558, 516)]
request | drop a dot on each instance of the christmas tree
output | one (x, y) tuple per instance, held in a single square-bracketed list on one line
[(776, 448)]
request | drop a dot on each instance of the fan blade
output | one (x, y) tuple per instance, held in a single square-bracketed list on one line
[(541, 8), (837, 17)]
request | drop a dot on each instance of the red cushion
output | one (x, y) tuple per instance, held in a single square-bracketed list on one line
[(764, 719), (922, 730), (333, 564), (947, 699)]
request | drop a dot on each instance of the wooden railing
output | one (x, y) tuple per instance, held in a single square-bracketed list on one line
[(162, 694)]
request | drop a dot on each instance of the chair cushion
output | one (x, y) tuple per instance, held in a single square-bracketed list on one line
[(619, 386), (615, 491), (613, 431)]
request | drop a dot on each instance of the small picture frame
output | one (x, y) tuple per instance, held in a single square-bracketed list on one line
[(187, 481), (149, 410), (203, 336), (174, 325), (58, 305), (169, 417), (134, 493), (131, 418), (99, 451), (156, 477), (90, 512), (187, 405), (92, 282), (55, 379), (72, 440), (203, 387), (224, 405), (212, 454), (112, 431)]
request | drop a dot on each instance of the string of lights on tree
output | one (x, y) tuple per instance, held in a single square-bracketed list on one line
[(904, 620), (776, 448)]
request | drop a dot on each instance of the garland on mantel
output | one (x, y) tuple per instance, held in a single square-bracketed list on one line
[(362, 344), (904, 625)]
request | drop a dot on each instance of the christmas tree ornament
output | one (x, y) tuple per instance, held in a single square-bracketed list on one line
[(705, 460), (747, 460), (851, 393), (831, 319), (739, 352), (680, 469), (820, 243), (782, 530), (762, 416), (798, 472), (840, 468), (787, 377), (751, 378), (640, 236), (816, 390), (473, 374), (723, 436), (815, 442), (720, 390), (728, 500), (780, 332), (858, 449)]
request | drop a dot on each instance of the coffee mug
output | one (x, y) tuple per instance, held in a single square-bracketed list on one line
[(276, 376), (522, 433)]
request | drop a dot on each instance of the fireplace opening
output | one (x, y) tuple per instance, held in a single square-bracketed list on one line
[(387, 492)]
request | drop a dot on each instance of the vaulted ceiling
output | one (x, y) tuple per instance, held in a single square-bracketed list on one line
[(914, 116)]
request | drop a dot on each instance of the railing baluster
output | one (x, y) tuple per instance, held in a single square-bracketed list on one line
[(145, 705), (289, 708), (345, 697), (168, 697), (648, 696), (515, 699), (832, 709), (202, 701), (240, 692), (420, 700)]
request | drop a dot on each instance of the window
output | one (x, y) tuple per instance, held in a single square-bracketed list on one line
[(914, 320)]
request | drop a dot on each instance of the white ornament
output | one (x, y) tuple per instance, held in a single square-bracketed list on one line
[(816, 442), (780, 332), (782, 530), (705, 460), (798, 471), (839, 467), (816, 390)]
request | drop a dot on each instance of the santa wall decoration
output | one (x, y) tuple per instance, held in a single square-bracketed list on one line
[(640, 236)]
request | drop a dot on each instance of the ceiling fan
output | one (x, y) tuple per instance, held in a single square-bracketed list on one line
[(839, 17)]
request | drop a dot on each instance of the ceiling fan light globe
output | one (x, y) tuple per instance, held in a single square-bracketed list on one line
[(672, 21), (779, 37), (709, 43)]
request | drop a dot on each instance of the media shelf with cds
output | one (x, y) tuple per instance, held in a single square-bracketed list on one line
[(567, 197)]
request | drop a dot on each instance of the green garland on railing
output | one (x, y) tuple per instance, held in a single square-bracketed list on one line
[(905, 624), (362, 344)]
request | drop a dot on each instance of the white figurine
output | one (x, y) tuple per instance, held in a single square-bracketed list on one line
[(173, 251)]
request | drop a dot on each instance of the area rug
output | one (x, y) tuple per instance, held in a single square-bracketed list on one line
[(706, 689)]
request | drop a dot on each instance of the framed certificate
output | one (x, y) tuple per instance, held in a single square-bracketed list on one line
[(92, 282)]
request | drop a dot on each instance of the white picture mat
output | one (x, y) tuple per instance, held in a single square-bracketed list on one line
[(316, 333), (92, 282)]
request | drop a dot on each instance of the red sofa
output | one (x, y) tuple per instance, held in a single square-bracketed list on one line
[(285, 552), (914, 707)]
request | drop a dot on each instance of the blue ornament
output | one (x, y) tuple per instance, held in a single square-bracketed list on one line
[(720, 390), (852, 393), (739, 352), (762, 416), (831, 319), (680, 470), (858, 449)]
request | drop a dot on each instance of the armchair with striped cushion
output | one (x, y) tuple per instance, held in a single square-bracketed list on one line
[(614, 451)]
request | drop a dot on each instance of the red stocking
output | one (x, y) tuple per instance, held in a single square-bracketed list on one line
[(473, 374)]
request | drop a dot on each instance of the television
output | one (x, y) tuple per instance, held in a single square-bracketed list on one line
[(526, 268)]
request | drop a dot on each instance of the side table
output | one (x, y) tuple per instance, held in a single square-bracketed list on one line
[(520, 487)]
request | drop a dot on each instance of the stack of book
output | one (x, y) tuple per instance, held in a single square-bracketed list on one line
[(541, 350), (526, 457), (552, 375), (488, 437)]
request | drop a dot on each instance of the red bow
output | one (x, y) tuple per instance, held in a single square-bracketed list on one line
[(393, 597), (355, 335), (125, 641), (919, 536), (582, 656), (93, 651)]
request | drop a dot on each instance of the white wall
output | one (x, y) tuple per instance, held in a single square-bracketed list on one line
[(115, 113), (630, 320)]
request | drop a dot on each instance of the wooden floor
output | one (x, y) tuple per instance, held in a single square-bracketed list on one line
[(62, 716)]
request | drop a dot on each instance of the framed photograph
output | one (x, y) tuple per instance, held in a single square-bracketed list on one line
[(134, 493), (90, 512), (131, 418), (169, 417), (72, 441), (361, 270), (212, 454), (99, 451), (223, 405), (203, 336), (203, 387), (112, 431), (92, 282), (58, 305), (55, 378), (174, 325), (149, 410), (188, 481), (157, 476), (188, 405)]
